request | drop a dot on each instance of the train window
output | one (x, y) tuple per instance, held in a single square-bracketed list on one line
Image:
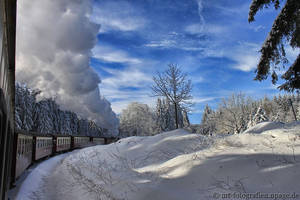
[(18, 147), (26, 145), (22, 146)]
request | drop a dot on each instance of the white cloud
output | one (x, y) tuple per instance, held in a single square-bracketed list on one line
[(257, 28), (109, 54), (120, 98), (201, 18), (202, 100), (177, 41), (198, 28), (121, 16), (58, 64), (246, 55), (126, 78), (162, 43), (291, 53), (121, 104), (246, 62)]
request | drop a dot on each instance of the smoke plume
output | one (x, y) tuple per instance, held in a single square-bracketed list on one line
[(54, 42)]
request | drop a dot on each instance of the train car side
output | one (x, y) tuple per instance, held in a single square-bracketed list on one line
[(42, 146), (30, 147), (61, 143), (98, 140), (24, 152), (81, 141)]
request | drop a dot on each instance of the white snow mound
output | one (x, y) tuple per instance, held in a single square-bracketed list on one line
[(264, 126), (178, 165)]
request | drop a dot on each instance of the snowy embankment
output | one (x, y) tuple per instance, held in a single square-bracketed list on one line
[(178, 165)]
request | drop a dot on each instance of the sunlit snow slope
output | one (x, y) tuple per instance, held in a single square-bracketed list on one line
[(178, 165)]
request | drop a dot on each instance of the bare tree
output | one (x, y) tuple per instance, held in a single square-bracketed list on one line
[(173, 85)]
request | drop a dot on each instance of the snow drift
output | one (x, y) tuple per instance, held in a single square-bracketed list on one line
[(54, 42), (179, 165)]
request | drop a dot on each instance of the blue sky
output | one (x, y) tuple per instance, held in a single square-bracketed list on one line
[(211, 41)]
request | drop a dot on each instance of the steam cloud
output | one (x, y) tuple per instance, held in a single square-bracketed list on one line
[(54, 42)]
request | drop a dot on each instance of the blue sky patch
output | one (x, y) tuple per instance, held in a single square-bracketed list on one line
[(211, 41)]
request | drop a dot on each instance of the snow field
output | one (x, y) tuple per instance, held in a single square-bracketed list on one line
[(179, 165)]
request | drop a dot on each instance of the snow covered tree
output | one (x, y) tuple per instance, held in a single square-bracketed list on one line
[(165, 116), (285, 29), (137, 120), (83, 126), (45, 116), (233, 114), (174, 86), (186, 121), (259, 116), (160, 119), (45, 120), (25, 107), (93, 129), (208, 124)]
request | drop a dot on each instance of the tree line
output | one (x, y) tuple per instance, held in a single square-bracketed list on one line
[(238, 113), (45, 116)]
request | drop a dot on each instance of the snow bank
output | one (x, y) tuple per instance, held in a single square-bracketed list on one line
[(264, 126), (179, 165), (33, 184)]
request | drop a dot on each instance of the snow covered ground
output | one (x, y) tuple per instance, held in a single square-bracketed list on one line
[(176, 165)]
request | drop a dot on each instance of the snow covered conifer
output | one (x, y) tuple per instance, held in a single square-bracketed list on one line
[(260, 116), (285, 29)]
